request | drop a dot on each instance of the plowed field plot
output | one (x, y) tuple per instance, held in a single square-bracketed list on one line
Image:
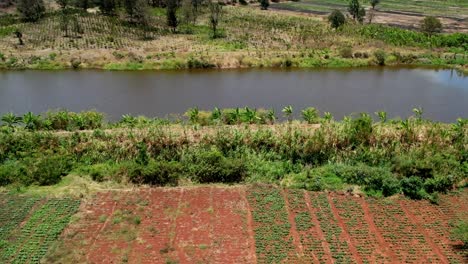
[(245, 224), (174, 225)]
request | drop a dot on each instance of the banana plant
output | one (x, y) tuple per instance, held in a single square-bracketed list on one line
[(216, 114), (288, 111), (11, 119), (310, 115), (193, 114), (382, 116), (31, 121), (418, 111), (271, 116)]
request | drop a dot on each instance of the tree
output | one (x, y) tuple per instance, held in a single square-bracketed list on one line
[(11, 119), (130, 7), (31, 10), (264, 4), (107, 7), (336, 19), (215, 15), (83, 4), (142, 17), (374, 3), (62, 3), (431, 25), (356, 10), (171, 14), (19, 36)]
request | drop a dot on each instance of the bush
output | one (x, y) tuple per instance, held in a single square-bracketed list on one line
[(413, 187), (154, 173), (336, 19), (390, 186), (380, 57), (31, 10), (346, 52), (207, 166), (431, 25), (439, 184), (360, 130)]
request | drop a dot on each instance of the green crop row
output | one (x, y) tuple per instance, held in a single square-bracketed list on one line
[(272, 241)]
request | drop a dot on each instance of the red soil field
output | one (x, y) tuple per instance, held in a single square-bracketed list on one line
[(213, 224)]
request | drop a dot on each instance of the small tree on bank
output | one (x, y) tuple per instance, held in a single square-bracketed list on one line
[(264, 4), (374, 3), (336, 19), (107, 7), (31, 10), (171, 14), (356, 10), (215, 14), (431, 25)]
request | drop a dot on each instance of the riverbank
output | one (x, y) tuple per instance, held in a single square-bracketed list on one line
[(248, 38), (415, 156)]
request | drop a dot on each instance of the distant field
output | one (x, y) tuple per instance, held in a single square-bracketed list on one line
[(453, 8)]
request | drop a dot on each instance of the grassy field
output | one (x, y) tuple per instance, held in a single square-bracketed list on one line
[(250, 38), (451, 8)]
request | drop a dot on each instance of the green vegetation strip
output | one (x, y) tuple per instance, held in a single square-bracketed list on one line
[(271, 224), (332, 231), (31, 242)]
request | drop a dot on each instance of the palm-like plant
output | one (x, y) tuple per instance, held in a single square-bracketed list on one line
[(129, 120), (327, 116), (250, 115), (418, 111), (11, 119), (193, 114), (31, 121), (288, 111), (271, 116), (382, 116), (310, 115), (216, 114)]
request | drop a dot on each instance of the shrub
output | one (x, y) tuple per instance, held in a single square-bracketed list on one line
[(439, 184), (310, 115), (380, 57), (431, 25), (31, 10), (264, 4), (390, 186), (360, 130), (336, 19), (154, 173), (413, 188), (208, 166), (346, 52)]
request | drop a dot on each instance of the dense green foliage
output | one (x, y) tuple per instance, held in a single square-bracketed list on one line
[(414, 156), (431, 25), (336, 19), (31, 10)]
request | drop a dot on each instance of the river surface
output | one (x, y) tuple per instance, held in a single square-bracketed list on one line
[(443, 94)]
